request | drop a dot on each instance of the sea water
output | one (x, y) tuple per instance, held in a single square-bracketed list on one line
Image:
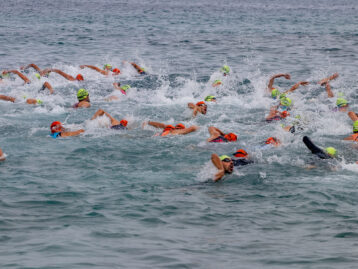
[(130, 199)]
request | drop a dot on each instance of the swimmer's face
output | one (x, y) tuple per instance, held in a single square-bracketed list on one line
[(203, 109), (228, 166)]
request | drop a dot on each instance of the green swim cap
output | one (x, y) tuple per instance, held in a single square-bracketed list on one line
[(331, 151), (82, 94), (282, 95), (37, 75), (341, 102), (225, 69), (107, 65), (125, 87), (355, 126), (223, 157), (39, 102), (217, 81), (275, 93), (210, 98), (285, 101)]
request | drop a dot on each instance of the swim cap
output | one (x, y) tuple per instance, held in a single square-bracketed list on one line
[(124, 122), (231, 137), (107, 66), (39, 102), (355, 127), (210, 98), (216, 83), (275, 93), (37, 75), (331, 151), (272, 140), (223, 157), (180, 126), (82, 94), (125, 87), (116, 70), (201, 103), (240, 153), (54, 128), (225, 69), (79, 77), (282, 95), (285, 101), (341, 102), (169, 127), (284, 114)]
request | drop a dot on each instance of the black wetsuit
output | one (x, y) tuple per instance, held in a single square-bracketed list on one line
[(241, 161), (314, 149)]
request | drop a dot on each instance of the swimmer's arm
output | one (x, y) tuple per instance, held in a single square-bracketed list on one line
[(329, 90), (7, 98), (66, 76), (136, 66), (45, 72), (34, 66), (113, 120), (273, 112), (156, 124), (349, 138), (74, 133), (353, 116), (327, 79), (48, 86), (189, 130), (2, 156), (272, 79), (22, 76), (219, 165), (103, 72), (298, 84)]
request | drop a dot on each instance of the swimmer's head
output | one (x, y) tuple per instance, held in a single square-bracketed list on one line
[(217, 83), (284, 114), (272, 141), (202, 106), (82, 94), (240, 153), (107, 67), (341, 102), (275, 93), (56, 127), (355, 127), (331, 151), (225, 69), (231, 137), (285, 101), (227, 163), (39, 102), (123, 123), (180, 126), (210, 98), (79, 77), (125, 87), (116, 71), (37, 75)]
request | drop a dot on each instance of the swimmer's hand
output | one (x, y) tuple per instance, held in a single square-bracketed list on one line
[(82, 66), (304, 83), (287, 76), (219, 175)]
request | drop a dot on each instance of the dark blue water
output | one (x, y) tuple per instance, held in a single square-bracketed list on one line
[(132, 200)]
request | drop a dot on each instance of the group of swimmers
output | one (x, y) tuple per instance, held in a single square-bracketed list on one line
[(224, 163)]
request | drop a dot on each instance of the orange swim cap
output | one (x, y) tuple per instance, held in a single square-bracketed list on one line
[(272, 140), (124, 123), (240, 153), (231, 137), (180, 126), (79, 77), (200, 103), (54, 128), (284, 114), (116, 70)]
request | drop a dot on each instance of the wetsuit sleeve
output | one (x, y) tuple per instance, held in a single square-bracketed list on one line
[(314, 149)]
